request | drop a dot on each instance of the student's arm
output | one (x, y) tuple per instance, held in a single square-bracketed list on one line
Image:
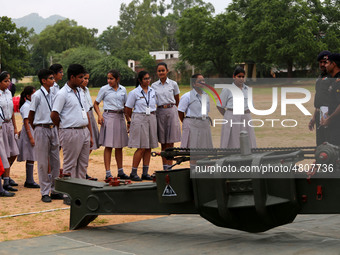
[(55, 118), (221, 110), (177, 99), (128, 113), (90, 129), (31, 118), (100, 116), (28, 131), (14, 124), (181, 115)]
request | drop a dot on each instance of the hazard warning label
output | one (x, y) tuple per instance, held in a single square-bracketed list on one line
[(169, 191)]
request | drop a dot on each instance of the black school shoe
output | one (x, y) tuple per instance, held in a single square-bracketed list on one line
[(123, 176), (135, 178), (31, 185), (147, 177), (12, 182), (9, 188), (57, 196), (6, 194), (46, 199), (91, 178)]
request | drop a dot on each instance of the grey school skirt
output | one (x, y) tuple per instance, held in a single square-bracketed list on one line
[(230, 133), (26, 151), (3, 154), (143, 131), (168, 126), (113, 132), (95, 131), (10, 144), (196, 134)]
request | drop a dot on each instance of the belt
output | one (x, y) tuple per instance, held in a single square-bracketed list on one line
[(45, 125), (195, 118), (114, 111), (246, 111), (145, 113), (75, 127), (7, 121), (166, 106)]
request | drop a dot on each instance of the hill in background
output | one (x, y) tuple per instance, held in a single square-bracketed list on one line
[(36, 22)]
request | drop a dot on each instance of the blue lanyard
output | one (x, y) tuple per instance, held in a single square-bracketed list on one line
[(48, 103), (2, 115), (147, 101), (78, 97)]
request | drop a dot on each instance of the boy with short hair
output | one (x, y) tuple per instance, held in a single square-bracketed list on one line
[(70, 115), (58, 74), (45, 135)]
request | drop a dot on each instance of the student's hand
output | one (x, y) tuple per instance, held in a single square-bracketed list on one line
[(91, 142), (311, 124), (32, 142), (100, 120)]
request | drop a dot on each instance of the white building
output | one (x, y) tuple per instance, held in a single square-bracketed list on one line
[(163, 55)]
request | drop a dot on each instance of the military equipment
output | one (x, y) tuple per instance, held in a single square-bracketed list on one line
[(252, 202)]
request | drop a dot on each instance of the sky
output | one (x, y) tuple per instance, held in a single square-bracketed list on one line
[(88, 13)]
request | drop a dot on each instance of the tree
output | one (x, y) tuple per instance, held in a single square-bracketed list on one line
[(14, 55), (275, 32), (63, 35), (203, 38), (102, 66)]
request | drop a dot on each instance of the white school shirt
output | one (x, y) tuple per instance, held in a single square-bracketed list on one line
[(41, 104), (70, 107), (113, 100), (6, 103), (166, 93), (227, 98), (25, 109), (191, 104), (137, 98), (87, 98), (54, 90)]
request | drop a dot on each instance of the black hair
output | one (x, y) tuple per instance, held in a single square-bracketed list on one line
[(239, 70), (194, 77), (323, 54), (86, 72), (3, 75), (162, 64), (26, 92), (43, 74), (56, 68), (140, 76), (75, 69), (114, 73), (334, 57)]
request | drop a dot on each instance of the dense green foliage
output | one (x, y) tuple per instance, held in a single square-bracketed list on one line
[(271, 33)]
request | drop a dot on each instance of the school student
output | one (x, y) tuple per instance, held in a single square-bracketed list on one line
[(69, 113), (58, 73), (143, 129), (26, 141), (45, 136), (3, 165), (89, 105), (9, 129), (113, 132), (196, 132), (168, 125)]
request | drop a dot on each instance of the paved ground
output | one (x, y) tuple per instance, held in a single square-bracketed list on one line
[(189, 234)]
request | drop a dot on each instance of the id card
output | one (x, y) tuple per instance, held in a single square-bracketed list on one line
[(323, 112), (83, 113), (147, 111)]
